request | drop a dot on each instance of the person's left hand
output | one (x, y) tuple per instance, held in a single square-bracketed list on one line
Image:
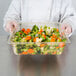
[(66, 28)]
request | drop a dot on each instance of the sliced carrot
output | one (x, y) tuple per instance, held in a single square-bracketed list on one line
[(41, 30), (59, 39), (61, 44), (42, 45), (57, 47), (28, 38), (54, 53), (28, 30), (54, 35), (23, 53), (23, 29), (51, 36), (57, 30), (44, 36), (52, 40), (34, 40), (20, 33), (30, 51)]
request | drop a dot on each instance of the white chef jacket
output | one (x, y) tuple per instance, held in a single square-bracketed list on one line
[(41, 11)]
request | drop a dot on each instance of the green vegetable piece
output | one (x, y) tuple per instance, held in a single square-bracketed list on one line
[(43, 38), (54, 29), (24, 50), (38, 48), (17, 34), (34, 45), (61, 49), (58, 40), (39, 35), (31, 40), (35, 28), (64, 40), (40, 27), (45, 28), (48, 27)]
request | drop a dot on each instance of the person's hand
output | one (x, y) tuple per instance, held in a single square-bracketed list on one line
[(66, 28), (11, 26)]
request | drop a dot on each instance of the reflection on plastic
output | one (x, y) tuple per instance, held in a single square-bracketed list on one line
[(40, 65)]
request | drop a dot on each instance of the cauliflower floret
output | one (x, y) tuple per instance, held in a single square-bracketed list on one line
[(38, 39), (49, 29), (38, 44), (42, 49)]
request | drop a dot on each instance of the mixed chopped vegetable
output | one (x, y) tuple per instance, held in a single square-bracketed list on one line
[(43, 40)]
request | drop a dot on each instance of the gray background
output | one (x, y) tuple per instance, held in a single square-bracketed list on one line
[(9, 61), (4, 4)]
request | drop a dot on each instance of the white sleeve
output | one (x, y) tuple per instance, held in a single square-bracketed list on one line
[(13, 12), (68, 14)]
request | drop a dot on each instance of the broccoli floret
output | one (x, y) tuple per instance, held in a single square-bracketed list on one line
[(64, 40), (45, 28), (17, 34), (35, 28)]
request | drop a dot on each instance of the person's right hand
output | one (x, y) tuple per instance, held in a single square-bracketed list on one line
[(11, 26)]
